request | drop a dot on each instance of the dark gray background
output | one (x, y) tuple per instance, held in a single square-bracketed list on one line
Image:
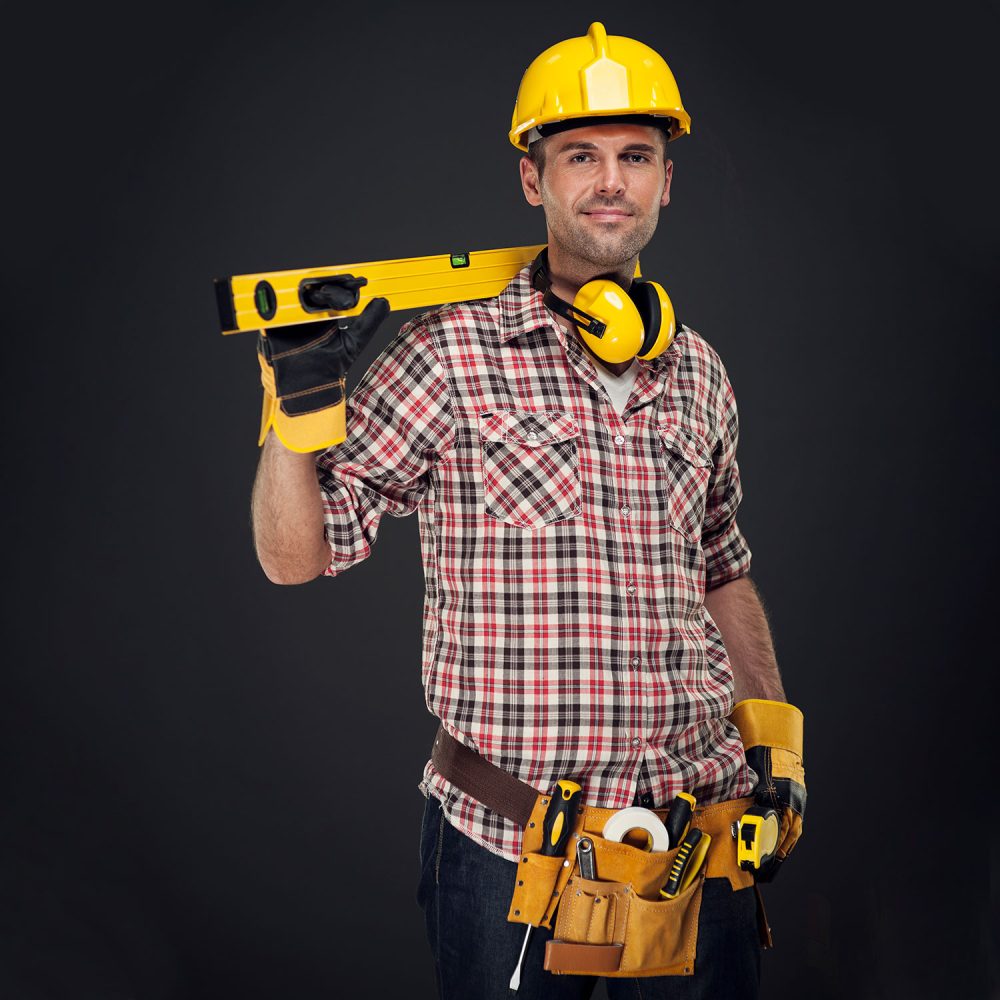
[(209, 782)]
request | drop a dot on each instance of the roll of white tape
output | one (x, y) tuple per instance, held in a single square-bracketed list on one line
[(637, 818)]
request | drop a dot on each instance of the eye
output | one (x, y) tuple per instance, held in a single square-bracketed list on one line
[(578, 157), (637, 158)]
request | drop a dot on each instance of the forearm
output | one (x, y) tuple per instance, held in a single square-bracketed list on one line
[(737, 610), (287, 513)]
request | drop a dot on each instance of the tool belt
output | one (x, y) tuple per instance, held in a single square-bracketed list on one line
[(617, 924)]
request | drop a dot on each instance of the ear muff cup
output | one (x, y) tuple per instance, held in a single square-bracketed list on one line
[(658, 320), (608, 302), (646, 301)]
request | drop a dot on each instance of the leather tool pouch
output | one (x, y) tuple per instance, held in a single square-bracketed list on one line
[(615, 925)]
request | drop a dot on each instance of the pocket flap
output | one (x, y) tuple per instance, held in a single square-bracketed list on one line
[(532, 429), (687, 445)]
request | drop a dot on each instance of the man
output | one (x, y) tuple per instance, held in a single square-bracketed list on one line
[(588, 611)]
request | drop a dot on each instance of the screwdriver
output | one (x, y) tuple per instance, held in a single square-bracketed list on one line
[(560, 817)]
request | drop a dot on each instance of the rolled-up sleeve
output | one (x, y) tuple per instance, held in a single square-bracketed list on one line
[(400, 423), (727, 554)]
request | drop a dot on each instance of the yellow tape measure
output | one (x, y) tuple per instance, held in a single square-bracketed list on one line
[(756, 836)]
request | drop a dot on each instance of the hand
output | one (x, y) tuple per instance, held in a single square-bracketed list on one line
[(772, 739), (303, 369)]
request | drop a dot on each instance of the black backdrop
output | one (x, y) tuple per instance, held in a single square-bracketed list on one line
[(209, 782)]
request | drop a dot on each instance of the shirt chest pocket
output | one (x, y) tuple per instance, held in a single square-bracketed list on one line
[(531, 467), (688, 469)]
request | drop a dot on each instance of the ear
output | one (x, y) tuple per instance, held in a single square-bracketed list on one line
[(529, 181), (669, 173)]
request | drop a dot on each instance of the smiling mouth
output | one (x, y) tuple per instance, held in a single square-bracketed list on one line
[(608, 215)]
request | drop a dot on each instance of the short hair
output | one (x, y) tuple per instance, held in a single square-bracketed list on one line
[(536, 153), (536, 149)]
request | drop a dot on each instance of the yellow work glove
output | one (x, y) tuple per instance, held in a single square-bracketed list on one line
[(303, 369), (772, 739)]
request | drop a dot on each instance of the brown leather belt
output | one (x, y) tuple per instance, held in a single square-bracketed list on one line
[(485, 782)]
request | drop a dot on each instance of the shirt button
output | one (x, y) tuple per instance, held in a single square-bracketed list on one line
[(630, 589), (636, 743), (635, 661), (619, 439), (626, 510), (532, 436)]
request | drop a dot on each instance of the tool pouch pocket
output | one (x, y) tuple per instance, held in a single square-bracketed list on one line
[(535, 893), (620, 925)]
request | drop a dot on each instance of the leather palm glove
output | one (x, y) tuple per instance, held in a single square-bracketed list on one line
[(303, 369), (772, 739)]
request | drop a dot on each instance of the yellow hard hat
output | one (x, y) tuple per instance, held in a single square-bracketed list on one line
[(597, 76)]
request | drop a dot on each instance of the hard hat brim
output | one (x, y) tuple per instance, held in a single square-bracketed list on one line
[(674, 125)]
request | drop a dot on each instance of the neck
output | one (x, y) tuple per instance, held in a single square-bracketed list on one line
[(569, 274)]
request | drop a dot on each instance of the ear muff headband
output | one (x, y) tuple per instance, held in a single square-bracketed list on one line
[(583, 320), (541, 281)]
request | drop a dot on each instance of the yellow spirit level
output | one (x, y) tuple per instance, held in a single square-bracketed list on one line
[(284, 298)]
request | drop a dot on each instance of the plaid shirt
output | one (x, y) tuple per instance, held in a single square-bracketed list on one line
[(566, 549)]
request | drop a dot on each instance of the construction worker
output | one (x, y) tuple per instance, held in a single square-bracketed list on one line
[(571, 452)]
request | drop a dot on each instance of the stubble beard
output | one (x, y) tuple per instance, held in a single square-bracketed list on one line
[(603, 250)]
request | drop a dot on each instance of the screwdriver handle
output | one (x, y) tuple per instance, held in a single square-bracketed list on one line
[(560, 817), (689, 858), (679, 817)]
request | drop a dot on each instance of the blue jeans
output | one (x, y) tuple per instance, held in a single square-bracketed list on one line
[(465, 894)]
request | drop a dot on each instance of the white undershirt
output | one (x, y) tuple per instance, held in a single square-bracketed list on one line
[(619, 386)]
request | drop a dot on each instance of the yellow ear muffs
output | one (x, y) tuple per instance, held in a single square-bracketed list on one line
[(639, 322), (616, 325)]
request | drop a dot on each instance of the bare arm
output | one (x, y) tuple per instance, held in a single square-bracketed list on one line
[(739, 613), (287, 511)]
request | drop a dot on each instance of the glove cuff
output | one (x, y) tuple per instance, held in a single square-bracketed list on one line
[(270, 403), (768, 723), (311, 431)]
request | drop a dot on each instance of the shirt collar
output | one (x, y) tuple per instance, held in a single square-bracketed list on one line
[(521, 309)]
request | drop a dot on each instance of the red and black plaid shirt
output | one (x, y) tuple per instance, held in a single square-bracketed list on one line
[(566, 548)]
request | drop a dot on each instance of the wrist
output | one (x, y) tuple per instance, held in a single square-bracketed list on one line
[(277, 448)]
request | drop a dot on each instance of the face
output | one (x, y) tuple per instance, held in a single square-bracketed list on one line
[(602, 190)]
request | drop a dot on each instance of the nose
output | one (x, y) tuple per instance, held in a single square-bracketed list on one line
[(611, 180)]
